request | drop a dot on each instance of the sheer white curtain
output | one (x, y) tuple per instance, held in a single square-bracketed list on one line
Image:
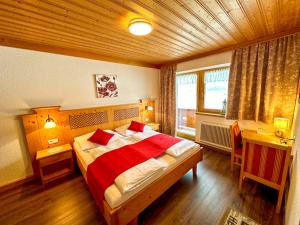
[(186, 91)]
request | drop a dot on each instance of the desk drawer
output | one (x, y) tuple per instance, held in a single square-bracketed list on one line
[(55, 158)]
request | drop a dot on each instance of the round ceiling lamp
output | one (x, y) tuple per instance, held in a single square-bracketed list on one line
[(140, 27)]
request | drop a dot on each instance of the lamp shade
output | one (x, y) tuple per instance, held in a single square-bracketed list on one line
[(281, 123), (149, 108), (49, 123)]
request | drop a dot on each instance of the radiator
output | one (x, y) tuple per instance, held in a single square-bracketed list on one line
[(215, 135)]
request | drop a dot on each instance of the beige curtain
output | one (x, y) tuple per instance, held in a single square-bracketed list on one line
[(167, 103), (263, 80)]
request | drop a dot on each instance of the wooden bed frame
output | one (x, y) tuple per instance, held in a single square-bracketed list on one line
[(127, 212), (72, 123)]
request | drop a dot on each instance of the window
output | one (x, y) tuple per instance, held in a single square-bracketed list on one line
[(186, 92), (202, 91), (212, 90)]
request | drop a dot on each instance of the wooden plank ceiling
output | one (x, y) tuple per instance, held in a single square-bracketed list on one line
[(183, 29)]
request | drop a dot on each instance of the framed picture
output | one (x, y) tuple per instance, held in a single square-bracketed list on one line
[(106, 86)]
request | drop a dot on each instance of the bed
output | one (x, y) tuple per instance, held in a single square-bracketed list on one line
[(123, 208), (117, 208), (113, 195)]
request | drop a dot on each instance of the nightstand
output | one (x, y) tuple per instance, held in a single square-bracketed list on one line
[(55, 162), (154, 126)]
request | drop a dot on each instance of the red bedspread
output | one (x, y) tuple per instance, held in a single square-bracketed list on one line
[(102, 172)]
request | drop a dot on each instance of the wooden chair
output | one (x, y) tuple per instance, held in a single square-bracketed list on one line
[(266, 163), (236, 143)]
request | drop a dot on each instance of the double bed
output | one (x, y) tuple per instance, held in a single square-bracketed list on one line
[(123, 208), (113, 196), (118, 207)]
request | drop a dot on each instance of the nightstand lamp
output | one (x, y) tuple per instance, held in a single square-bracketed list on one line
[(148, 108), (49, 123), (281, 126)]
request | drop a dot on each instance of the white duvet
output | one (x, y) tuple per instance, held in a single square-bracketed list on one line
[(176, 150), (138, 175)]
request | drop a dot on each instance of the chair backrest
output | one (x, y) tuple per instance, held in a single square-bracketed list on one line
[(266, 162), (236, 135)]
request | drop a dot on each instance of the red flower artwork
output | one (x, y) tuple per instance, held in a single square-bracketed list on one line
[(106, 86)]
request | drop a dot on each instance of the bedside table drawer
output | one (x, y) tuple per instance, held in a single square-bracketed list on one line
[(55, 158)]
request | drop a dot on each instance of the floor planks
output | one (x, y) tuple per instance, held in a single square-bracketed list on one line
[(190, 201)]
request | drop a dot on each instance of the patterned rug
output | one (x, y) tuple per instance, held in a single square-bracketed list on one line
[(234, 217)]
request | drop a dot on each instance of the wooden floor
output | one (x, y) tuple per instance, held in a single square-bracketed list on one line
[(190, 201)]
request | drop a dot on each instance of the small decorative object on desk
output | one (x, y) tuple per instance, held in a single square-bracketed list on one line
[(106, 86), (286, 140), (260, 130)]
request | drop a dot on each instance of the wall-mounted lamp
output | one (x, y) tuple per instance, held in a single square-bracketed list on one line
[(281, 126), (149, 108), (49, 123)]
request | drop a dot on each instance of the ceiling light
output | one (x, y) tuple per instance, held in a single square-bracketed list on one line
[(140, 27)]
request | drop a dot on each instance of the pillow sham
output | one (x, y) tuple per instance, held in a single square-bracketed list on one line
[(101, 137), (136, 126), (85, 144), (123, 130)]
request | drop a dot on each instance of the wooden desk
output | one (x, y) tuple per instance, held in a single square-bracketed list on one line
[(265, 139), (266, 160)]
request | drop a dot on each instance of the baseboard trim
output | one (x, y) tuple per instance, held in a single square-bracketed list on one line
[(16, 183)]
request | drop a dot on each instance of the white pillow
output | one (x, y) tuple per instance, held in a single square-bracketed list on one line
[(85, 144), (123, 130)]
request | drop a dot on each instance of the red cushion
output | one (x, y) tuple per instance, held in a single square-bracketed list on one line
[(238, 140), (136, 126), (238, 151), (101, 137)]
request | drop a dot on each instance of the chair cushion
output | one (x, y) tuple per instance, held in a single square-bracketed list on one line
[(238, 139), (238, 151)]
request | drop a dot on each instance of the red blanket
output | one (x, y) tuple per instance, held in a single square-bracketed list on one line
[(103, 171)]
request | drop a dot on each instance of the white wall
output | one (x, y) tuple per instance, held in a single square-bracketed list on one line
[(221, 58), (292, 211), (31, 79)]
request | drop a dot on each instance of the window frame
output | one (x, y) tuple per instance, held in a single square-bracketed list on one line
[(201, 92)]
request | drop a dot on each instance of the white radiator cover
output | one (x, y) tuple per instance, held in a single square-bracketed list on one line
[(214, 132)]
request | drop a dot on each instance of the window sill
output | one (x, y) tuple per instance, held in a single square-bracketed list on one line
[(210, 114)]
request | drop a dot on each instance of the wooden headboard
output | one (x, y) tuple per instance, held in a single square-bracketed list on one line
[(73, 123)]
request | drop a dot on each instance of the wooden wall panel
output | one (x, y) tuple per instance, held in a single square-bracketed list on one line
[(37, 136)]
